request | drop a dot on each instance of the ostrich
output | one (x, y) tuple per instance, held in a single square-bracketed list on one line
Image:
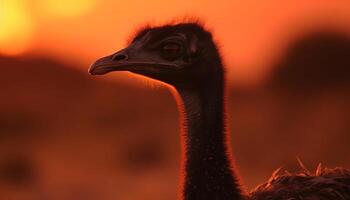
[(185, 57)]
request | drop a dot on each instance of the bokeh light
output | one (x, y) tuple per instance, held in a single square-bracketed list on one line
[(66, 8), (251, 36), (16, 27)]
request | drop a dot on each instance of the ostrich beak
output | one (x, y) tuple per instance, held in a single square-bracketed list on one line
[(115, 62), (121, 61)]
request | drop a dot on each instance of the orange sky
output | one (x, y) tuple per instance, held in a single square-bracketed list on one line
[(251, 33)]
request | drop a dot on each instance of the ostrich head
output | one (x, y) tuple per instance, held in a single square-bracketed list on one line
[(182, 55), (185, 56)]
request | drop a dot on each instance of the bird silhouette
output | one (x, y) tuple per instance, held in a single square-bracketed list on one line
[(185, 57)]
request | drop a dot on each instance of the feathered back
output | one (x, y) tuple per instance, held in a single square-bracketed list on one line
[(324, 184)]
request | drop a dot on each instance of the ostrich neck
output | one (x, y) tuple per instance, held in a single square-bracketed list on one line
[(208, 169)]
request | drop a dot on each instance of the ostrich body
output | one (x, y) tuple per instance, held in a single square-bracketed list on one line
[(185, 57)]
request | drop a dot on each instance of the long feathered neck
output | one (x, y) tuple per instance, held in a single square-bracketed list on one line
[(207, 164)]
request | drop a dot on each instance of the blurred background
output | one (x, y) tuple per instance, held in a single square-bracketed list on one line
[(66, 135)]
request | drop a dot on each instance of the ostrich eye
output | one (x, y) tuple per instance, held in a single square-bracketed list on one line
[(171, 51)]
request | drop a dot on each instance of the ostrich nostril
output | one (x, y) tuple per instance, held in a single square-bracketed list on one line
[(119, 57)]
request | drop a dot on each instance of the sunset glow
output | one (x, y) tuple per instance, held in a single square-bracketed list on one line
[(66, 8), (251, 36), (75, 126), (16, 28)]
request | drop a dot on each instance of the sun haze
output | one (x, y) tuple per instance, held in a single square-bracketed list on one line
[(16, 28), (251, 35)]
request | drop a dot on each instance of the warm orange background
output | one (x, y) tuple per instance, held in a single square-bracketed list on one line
[(67, 135), (251, 33)]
